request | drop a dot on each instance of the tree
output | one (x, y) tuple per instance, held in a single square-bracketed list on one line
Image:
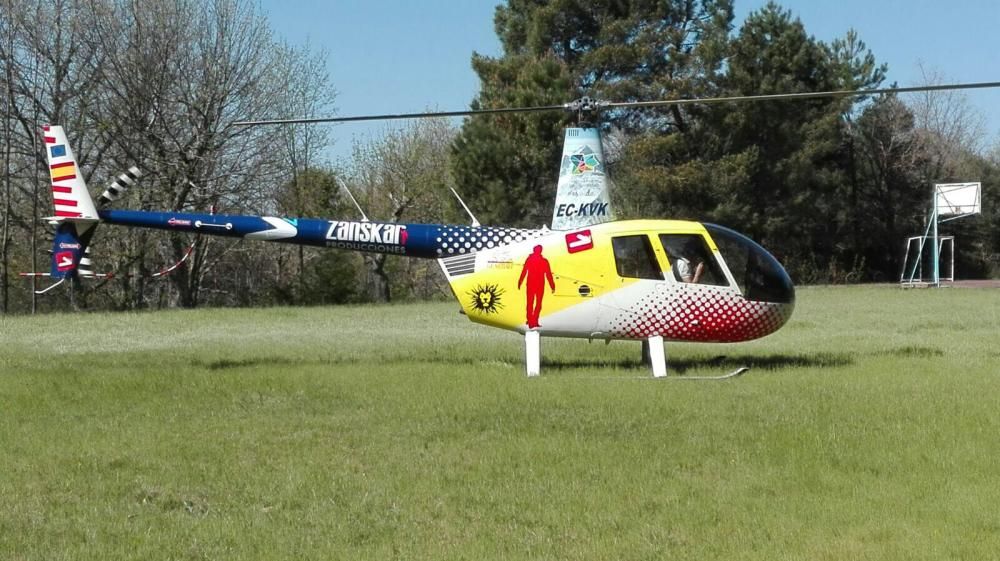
[(313, 193), (557, 50), (951, 131), (323, 276), (509, 164), (795, 150), (179, 76), (51, 75), (886, 197), (156, 85), (951, 134), (7, 31), (403, 177), (631, 50), (990, 242)]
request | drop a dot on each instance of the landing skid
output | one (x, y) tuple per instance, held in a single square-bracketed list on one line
[(653, 353), (734, 374)]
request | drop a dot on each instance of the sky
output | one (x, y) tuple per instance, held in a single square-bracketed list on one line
[(390, 56)]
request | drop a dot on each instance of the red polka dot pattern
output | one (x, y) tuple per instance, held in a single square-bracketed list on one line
[(686, 312)]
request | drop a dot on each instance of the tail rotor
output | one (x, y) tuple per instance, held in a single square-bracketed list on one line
[(119, 186)]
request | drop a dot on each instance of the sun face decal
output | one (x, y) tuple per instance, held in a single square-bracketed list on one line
[(486, 298)]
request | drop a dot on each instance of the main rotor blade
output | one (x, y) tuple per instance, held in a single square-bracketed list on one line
[(391, 116), (803, 95), (597, 104)]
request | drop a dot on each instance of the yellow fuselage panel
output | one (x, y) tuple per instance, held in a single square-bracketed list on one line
[(582, 265)]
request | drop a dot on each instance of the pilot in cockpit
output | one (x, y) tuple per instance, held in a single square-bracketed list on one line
[(687, 262)]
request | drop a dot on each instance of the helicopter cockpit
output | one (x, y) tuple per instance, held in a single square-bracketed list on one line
[(744, 264)]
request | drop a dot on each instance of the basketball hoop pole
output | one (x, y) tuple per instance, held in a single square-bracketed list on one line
[(935, 252)]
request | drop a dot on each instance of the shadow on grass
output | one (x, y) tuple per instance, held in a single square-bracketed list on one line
[(910, 351), (225, 363), (722, 362), (676, 365)]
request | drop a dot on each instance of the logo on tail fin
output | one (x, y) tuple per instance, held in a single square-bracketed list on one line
[(64, 261), (583, 196)]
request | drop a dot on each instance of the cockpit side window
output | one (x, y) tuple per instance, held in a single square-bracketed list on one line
[(691, 260), (634, 258)]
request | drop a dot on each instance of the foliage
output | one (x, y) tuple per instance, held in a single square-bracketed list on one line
[(633, 50), (156, 85), (404, 177), (556, 51), (793, 188), (314, 275), (886, 198), (832, 186), (508, 164)]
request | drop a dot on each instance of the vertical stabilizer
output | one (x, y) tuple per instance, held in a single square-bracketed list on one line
[(75, 214), (583, 197), (69, 192)]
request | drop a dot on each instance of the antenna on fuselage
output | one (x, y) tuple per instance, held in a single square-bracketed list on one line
[(475, 221), (364, 217)]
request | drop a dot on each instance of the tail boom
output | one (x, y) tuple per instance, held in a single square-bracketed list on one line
[(432, 241)]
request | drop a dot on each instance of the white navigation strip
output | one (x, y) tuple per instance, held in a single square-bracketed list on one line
[(281, 230)]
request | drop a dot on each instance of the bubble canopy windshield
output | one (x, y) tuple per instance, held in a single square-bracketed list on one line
[(759, 275)]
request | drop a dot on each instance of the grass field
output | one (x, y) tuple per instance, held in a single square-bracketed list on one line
[(868, 428)]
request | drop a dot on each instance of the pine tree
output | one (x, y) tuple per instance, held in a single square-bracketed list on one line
[(555, 51)]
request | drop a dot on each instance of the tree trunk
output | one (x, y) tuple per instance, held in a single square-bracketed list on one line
[(378, 279), (5, 232)]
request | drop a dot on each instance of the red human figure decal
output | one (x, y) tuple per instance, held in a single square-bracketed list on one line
[(536, 269)]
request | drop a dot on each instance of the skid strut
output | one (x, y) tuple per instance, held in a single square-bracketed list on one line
[(657, 356), (532, 353)]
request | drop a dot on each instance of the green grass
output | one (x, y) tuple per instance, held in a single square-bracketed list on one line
[(868, 428)]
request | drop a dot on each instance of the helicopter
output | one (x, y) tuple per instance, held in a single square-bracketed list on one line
[(586, 275)]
